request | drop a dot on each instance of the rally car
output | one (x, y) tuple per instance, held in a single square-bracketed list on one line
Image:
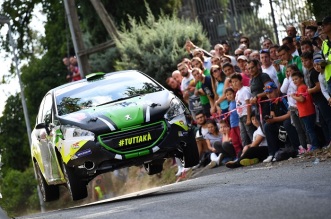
[(107, 122)]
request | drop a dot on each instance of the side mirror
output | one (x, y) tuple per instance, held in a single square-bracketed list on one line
[(43, 126)]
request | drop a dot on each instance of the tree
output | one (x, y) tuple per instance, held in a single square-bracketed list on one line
[(156, 46), (320, 8)]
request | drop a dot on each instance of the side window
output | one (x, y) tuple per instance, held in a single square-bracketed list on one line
[(40, 113), (47, 110)]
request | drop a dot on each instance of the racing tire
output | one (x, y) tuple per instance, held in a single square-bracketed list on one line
[(77, 188), (190, 151), (48, 192), (154, 167)]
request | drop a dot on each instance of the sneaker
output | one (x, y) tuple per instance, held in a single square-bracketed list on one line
[(274, 159), (196, 166), (180, 170), (248, 162), (312, 148), (269, 159), (219, 159), (301, 150), (232, 164), (212, 164)]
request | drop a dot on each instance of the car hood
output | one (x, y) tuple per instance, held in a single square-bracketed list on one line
[(122, 114)]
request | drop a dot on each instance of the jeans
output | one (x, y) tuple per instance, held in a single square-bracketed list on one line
[(325, 115), (226, 148), (309, 122), (292, 134), (246, 131), (271, 133), (299, 126)]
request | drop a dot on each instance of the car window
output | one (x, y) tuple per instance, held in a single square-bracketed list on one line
[(40, 113), (113, 87), (47, 109)]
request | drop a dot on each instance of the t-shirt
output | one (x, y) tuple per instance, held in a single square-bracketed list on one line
[(242, 95), (245, 79), (234, 117), (207, 87), (220, 86), (305, 108), (186, 81), (288, 87), (271, 71), (312, 74), (213, 138), (203, 98), (257, 132), (280, 107), (257, 83)]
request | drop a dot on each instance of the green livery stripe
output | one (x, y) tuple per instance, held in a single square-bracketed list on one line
[(136, 150), (137, 154)]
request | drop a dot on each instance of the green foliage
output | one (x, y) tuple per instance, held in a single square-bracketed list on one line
[(13, 137), (19, 191), (157, 46), (320, 8)]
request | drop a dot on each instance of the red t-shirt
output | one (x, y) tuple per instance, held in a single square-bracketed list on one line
[(305, 108), (246, 79)]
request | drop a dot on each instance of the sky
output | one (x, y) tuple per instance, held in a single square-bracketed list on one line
[(5, 58)]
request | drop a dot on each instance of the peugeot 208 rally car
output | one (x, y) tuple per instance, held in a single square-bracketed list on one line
[(106, 122)]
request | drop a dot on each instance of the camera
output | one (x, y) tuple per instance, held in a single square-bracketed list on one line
[(266, 117)]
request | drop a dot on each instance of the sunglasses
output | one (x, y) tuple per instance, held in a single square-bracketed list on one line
[(243, 41), (216, 70), (238, 54)]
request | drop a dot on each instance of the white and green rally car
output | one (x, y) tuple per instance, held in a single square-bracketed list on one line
[(106, 122)]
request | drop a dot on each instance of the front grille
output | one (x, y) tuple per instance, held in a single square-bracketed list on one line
[(141, 137)]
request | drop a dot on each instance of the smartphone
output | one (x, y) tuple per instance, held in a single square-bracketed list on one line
[(278, 61)]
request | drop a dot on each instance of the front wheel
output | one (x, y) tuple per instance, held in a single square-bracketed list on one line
[(77, 187), (48, 192)]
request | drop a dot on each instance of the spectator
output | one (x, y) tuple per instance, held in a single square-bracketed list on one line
[(234, 120), (310, 31), (238, 52), (187, 62), (200, 136), (267, 43), (177, 76), (255, 152), (219, 50), (175, 87), (204, 89), (188, 85), (289, 88), (305, 107), (213, 135), (226, 47), (285, 55), (247, 52), (243, 96), (75, 72), (205, 60), (291, 31), (314, 89), (225, 148), (267, 66), (326, 47), (288, 41), (306, 46), (273, 52), (255, 55), (215, 60), (258, 80), (219, 84), (279, 116), (319, 65), (226, 59), (244, 40), (242, 62)]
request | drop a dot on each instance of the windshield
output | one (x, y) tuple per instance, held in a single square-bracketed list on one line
[(113, 87)]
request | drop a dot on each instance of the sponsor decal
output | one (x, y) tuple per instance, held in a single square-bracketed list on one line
[(75, 146), (84, 153), (135, 140), (181, 133), (127, 117)]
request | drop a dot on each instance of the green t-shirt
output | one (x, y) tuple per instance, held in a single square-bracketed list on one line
[(203, 98), (282, 73)]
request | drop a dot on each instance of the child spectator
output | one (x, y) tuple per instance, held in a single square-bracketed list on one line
[(242, 98), (305, 107), (289, 88), (234, 120), (319, 65), (255, 152)]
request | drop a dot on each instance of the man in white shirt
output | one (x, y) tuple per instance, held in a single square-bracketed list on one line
[(267, 66)]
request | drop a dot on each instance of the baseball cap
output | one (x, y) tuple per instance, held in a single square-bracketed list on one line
[(317, 57), (326, 20), (269, 87), (242, 57)]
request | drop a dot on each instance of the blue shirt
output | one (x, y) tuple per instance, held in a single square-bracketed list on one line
[(234, 117), (220, 86)]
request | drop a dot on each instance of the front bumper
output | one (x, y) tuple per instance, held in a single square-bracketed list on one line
[(130, 147)]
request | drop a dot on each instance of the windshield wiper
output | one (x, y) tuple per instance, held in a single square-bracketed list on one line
[(123, 98)]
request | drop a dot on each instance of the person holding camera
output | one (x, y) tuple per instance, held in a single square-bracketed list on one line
[(279, 117)]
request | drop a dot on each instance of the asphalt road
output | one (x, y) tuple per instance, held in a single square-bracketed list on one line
[(288, 189)]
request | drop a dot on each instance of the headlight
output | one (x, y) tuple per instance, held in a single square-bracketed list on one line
[(73, 132), (176, 109)]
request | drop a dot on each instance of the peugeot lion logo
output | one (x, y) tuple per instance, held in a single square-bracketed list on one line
[(127, 117)]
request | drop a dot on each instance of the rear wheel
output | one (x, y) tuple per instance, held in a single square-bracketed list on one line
[(48, 192), (154, 167), (77, 187)]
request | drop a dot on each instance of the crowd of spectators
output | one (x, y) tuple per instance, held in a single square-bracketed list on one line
[(259, 104), (71, 64)]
